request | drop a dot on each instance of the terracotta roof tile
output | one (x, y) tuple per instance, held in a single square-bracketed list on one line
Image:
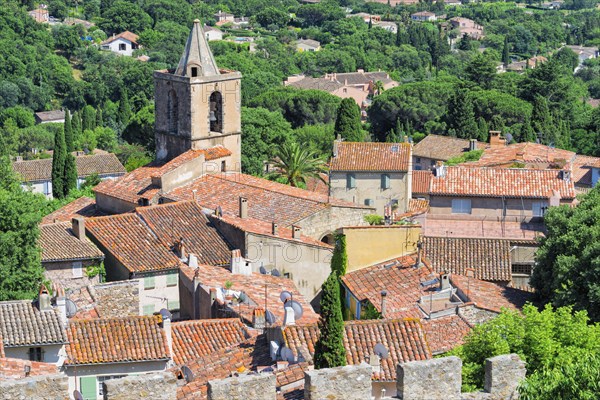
[(445, 333), (194, 339), (130, 240), (292, 374), (81, 207), (98, 341), (14, 368), (41, 170), (501, 182), (446, 225), (421, 181), (371, 156), (23, 324), (130, 36), (442, 147), (404, 339), (490, 296), (490, 258), (58, 243)]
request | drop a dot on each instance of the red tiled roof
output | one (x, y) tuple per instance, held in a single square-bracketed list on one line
[(171, 222), (398, 277), (416, 206), (130, 36), (291, 374), (14, 368), (58, 243), (490, 296), (114, 340), (461, 226), (404, 339), (501, 182), (582, 169), (317, 185), (421, 181), (41, 170), (442, 147), (524, 152), (371, 156), (130, 241), (194, 339), (490, 258), (445, 333), (253, 286), (81, 207)]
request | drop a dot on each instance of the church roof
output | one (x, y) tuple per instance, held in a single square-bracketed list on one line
[(198, 54)]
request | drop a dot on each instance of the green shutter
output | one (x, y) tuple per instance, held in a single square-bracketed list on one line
[(385, 181), (149, 282), (88, 388), (173, 304), (172, 279), (149, 309), (350, 181)]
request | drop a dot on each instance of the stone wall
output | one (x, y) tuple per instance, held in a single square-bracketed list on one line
[(502, 376), (48, 387), (62, 273), (439, 378), (157, 386), (475, 315), (328, 220), (352, 382), (117, 299), (244, 387)]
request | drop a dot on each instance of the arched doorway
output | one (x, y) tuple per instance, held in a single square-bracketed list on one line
[(329, 239)]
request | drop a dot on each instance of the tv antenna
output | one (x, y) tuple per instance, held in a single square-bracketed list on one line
[(187, 373), (381, 351)]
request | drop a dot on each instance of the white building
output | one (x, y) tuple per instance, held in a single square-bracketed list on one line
[(123, 43)]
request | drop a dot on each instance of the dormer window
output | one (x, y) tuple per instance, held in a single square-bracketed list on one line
[(194, 72)]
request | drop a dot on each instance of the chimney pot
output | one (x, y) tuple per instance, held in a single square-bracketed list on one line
[(44, 299), (472, 144), (243, 207), (274, 228), (383, 296), (295, 232), (78, 227)]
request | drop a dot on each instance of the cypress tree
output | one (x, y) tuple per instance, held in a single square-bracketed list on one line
[(68, 129), (483, 129), (526, 133), (58, 165), (541, 120), (99, 122), (88, 119), (124, 112), (76, 126), (339, 263), (329, 349), (505, 54), (70, 172), (461, 116), (347, 122), (370, 23)]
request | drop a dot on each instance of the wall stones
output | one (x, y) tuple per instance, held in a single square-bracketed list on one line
[(352, 382), (47, 387), (244, 387), (503, 375), (158, 386), (118, 299), (439, 378)]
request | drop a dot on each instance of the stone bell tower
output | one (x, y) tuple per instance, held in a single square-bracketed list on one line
[(197, 105)]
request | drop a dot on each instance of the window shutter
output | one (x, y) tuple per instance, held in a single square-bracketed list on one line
[(172, 279), (87, 387), (77, 269), (350, 181), (149, 282), (385, 181), (149, 309)]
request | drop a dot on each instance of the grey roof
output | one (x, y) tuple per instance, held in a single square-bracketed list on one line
[(58, 243), (53, 115), (362, 78), (309, 42), (317, 83), (22, 324), (197, 53)]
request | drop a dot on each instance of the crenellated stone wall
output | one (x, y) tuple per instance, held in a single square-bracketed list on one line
[(352, 382), (157, 386), (436, 379), (47, 387), (244, 387)]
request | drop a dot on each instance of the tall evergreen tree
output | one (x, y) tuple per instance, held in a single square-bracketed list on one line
[(461, 116), (329, 349), (68, 129), (58, 164), (505, 52), (88, 118), (99, 121), (70, 172), (339, 263), (347, 122), (526, 133), (76, 126), (124, 112), (542, 122), (483, 129)]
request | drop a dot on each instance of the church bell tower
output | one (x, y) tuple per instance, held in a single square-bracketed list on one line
[(197, 105)]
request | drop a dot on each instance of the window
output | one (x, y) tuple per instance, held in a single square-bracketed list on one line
[(461, 206), (524, 269), (350, 181), (194, 72), (418, 168), (539, 208), (223, 166), (87, 387), (418, 160), (172, 279), (385, 181), (36, 354), (173, 304), (369, 202), (122, 47), (148, 309), (77, 269), (149, 282), (102, 379), (215, 116)]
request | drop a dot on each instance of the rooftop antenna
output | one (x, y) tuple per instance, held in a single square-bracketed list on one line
[(381, 351), (269, 317), (165, 314), (297, 307), (187, 373), (285, 296), (71, 308)]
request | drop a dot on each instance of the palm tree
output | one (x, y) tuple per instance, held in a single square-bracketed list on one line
[(378, 87), (296, 164)]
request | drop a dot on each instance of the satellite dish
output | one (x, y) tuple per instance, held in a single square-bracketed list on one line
[(71, 308), (77, 395), (263, 270), (381, 351), (165, 314), (187, 373), (275, 272), (297, 307), (285, 296), (508, 137), (270, 317), (287, 354)]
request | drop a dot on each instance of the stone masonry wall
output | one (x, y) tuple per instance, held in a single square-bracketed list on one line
[(48, 387), (244, 387), (158, 386), (118, 299), (502, 376), (352, 382), (435, 379), (475, 315)]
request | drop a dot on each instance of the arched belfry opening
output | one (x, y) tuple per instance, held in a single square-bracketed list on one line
[(173, 112), (215, 115), (194, 70)]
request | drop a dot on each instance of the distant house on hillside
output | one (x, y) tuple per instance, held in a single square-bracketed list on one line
[(423, 16), (40, 15), (213, 33), (434, 148), (467, 26), (520, 66), (46, 117), (123, 43), (308, 45)]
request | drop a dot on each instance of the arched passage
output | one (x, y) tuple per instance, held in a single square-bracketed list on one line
[(216, 112)]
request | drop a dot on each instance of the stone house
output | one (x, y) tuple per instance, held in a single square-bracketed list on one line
[(213, 33), (423, 16), (36, 175), (467, 27), (434, 148), (110, 348), (223, 17), (69, 258), (40, 15), (46, 117), (375, 175), (307, 45), (123, 44), (33, 331)]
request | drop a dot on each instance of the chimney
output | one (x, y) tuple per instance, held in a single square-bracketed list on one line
[(258, 318), (472, 144), (383, 296), (295, 232), (445, 281), (440, 169), (496, 140), (61, 304), (193, 261), (243, 207), (78, 227), (180, 248), (520, 155), (405, 138), (166, 325), (18, 158), (44, 299), (274, 228), (289, 318), (336, 145)]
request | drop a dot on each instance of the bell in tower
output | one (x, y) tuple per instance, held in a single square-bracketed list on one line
[(197, 105)]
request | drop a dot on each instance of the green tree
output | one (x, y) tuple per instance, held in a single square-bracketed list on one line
[(99, 120), (526, 133), (21, 271), (461, 117), (124, 16), (483, 129), (88, 118), (124, 113), (140, 129), (296, 164), (76, 125), (272, 18), (347, 122), (482, 70), (70, 171), (542, 121), (567, 267), (505, 52), (339, 264), (329, 348), (58, 165)]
